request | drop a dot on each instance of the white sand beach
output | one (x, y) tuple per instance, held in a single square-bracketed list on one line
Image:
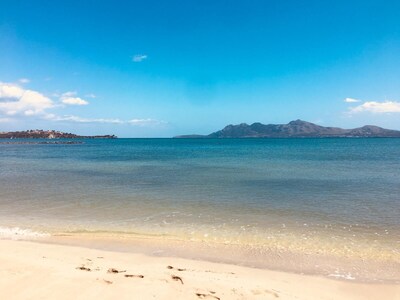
[(31, 270)]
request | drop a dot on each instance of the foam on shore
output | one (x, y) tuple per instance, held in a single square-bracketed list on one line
[(16, 233)]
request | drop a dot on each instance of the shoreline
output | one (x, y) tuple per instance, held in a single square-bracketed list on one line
[(281, 260), (49, 271)]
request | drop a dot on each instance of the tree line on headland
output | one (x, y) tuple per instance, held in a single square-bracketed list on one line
[(48, 134)]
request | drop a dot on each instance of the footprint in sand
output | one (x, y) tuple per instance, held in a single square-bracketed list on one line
[(260, 292), (105, 281), (205, 296), (115, 271), (130, 276), (178, 269), (83, 268)]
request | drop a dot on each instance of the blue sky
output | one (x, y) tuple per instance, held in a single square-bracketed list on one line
[(162, 68)]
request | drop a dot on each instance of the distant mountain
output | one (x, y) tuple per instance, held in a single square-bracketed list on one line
[(48, 134), (294, 129)]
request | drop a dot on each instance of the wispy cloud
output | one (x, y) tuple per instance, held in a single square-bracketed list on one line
[(351, 100), (70, 99), (146, 122), (139, 57), (76, 119), (24, 80), (377, 107), (69, 94), (90, 96)]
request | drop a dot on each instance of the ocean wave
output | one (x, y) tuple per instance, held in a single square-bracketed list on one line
[(16, 233)]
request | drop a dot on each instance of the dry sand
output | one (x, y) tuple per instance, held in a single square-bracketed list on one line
[(30, 270)]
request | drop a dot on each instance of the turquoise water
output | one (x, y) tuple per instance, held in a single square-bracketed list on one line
[(333, 196)]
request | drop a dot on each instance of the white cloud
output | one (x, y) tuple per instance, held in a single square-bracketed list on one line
[(74, 101), (76, 119), (14, 100), (139, 57), (377, 107), (351, 100), (24, 80), (68, 94), (68, 98), (9, 90), (90, 96), (145, 122)]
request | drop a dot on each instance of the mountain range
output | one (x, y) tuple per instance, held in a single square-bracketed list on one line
[(295, 129)]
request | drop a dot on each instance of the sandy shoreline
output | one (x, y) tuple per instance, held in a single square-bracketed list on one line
[(356, 268), (32, 270)]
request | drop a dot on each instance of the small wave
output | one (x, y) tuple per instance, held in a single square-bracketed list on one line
[(16, 233)]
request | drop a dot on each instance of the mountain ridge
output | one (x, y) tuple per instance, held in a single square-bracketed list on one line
[(294, 129)]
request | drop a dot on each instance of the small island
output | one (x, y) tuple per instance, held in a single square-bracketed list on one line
[(49, 134)]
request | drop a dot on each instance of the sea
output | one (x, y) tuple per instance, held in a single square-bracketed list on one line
[(325, 206)]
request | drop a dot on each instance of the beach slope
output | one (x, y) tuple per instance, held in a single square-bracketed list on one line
[(31, 270)]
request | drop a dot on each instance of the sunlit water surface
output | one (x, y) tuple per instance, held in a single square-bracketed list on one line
[(335, 197)]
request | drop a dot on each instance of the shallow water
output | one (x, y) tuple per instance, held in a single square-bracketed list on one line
[(336, 197)]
